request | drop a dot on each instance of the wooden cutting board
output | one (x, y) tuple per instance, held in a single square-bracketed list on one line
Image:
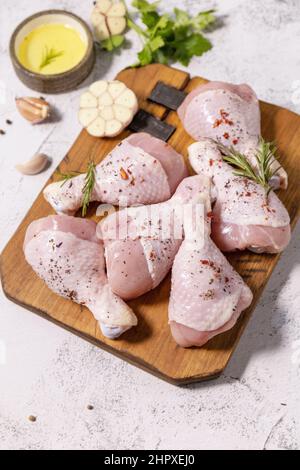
[(150, 345)]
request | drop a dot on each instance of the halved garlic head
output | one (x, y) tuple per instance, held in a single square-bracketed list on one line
[(108, 18), (107, 108)]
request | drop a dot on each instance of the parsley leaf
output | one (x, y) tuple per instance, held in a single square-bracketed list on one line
[(203, 20), (150, 19), (182, 17), (194, 45), (198, 23), (144, 7)]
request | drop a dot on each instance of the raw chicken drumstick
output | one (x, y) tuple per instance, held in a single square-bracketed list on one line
[(66, 254), (140, 170), (230, 115), (141, 242), (207, 295), (244, 216)]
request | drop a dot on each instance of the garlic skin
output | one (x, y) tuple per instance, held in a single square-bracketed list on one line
[(34, 110), (108, 18), (34, 166), (107, 108)]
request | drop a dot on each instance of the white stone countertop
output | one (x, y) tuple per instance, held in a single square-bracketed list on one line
[(53, 375)]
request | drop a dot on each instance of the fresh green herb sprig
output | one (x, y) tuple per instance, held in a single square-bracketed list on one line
[(90, 180), (266, 158), (170, 38), (49, 56), (263, 172), (89, 184), (65, 177), (166, 38)]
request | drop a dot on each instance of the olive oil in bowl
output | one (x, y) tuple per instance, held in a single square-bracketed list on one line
[(52, 49)]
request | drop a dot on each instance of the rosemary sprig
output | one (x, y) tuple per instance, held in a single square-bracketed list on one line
[(265, 170), (89, 184), (49, 56), (87, 191), (64, 177), (265, 156)]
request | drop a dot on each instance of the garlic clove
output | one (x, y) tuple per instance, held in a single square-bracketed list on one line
[(87, 116), (113, 128), (127, 99), (103, 5), (97, 127), (116, 88), (97, 17), (35, 165), (117, 9), (98, 88), (122, 114), (102, 32), (88, 100), (34, 110), (117, 25)]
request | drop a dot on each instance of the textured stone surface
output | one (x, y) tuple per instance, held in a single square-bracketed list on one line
[(47, 373)]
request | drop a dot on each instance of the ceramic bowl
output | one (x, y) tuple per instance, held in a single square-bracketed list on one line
[(60, 82)]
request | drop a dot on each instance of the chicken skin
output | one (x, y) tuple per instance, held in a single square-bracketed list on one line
[(244, 216), (140, 170), (230, 115), (66, 254), (207, 295), (141, 242)]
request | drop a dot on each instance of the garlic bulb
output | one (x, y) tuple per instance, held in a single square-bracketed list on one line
[(107, 108), (108, 18), (35, 165)]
